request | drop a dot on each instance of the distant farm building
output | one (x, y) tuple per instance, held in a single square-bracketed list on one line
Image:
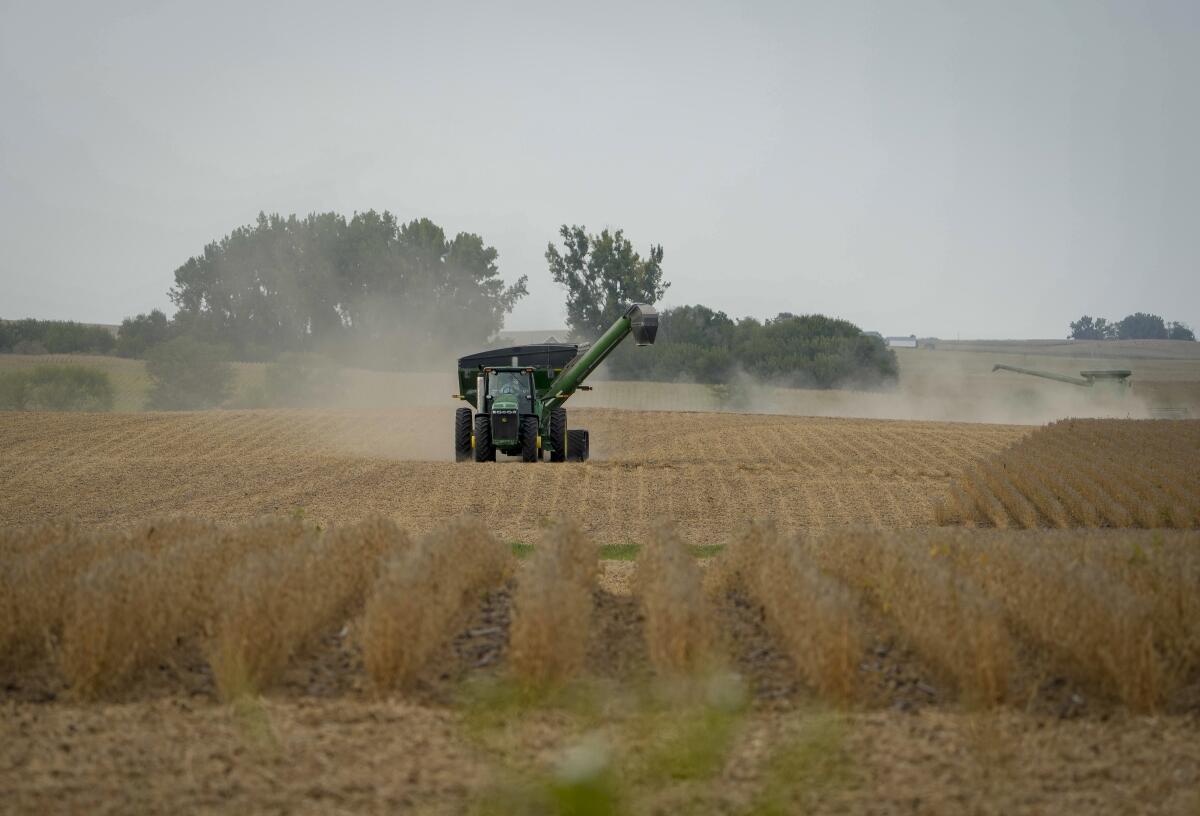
[(901, 342)]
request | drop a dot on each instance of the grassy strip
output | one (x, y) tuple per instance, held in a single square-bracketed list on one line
[(620, 552)]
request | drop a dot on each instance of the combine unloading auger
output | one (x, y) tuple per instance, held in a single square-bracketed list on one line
[(1118, 377), (518, 393)]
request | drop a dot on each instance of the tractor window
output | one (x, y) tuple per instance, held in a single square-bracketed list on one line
[(509, 383)]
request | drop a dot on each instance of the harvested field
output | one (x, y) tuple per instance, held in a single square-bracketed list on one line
[(708, 472)]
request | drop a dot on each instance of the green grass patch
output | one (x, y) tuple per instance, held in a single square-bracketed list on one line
[(687, 743), (619, 552), (618, 745), (491, 704), (810, 760), (521, 550)]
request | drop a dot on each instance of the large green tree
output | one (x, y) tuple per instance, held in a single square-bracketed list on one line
[(1180, 331), (326, 282), (1142, 326), (602, 275), (1086, 328)]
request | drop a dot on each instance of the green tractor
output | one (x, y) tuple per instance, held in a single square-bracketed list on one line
[(518, 393)]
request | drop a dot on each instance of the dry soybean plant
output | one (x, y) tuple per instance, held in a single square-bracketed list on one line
[(678, 621), (129, 610), (277, 603), (552, 608), (1092, 624), (38, 583), (1085, 473), (422, 594), (815, 616), (1163, 570), (945, 617)]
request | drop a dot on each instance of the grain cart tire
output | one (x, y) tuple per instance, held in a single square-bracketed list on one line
[(577, 446), (462, 434), (484, 450), (558, 435), (529, 435)]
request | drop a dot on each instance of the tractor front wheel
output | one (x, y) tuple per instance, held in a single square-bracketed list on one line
[(529, 435), (484, 450), (577, 446), (558, 435), (462, 434)]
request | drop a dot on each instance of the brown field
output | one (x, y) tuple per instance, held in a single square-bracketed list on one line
[(707, 472), (323, 631), (1085, 473)]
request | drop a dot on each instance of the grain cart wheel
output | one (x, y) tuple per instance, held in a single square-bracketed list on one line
[(462, 434), (484, 451), (577, 446), (529, 435), (558, 435)]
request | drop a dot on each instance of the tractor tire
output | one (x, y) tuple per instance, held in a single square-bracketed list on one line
[(558, 435), (529, 435), (462, 434), (484, 450), (577, 446)]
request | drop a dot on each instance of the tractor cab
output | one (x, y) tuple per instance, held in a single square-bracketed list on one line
[(507, 397), (508, 389)]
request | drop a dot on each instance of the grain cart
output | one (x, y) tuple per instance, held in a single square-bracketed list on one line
[(517, 394)]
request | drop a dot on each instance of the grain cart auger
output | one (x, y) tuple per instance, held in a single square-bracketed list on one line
[(518, 393)]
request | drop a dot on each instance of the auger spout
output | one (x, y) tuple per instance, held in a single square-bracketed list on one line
[(640, 320)]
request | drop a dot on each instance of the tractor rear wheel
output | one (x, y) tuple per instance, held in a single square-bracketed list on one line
[(577, 446), (484, 450), (558, 435), (462, 434), (529, 435)]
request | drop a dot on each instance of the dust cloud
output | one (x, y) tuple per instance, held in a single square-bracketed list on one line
[(409, 415), (956, 393)]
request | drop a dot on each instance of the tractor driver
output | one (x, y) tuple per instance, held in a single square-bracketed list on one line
[(513, 385)]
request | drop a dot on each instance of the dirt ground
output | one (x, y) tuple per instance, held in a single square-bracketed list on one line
[(322, 756)]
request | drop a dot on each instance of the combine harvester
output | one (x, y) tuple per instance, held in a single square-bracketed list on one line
[(1112, 379), (518, 393)]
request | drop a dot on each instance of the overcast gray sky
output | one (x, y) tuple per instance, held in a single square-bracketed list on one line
[(952, 168)]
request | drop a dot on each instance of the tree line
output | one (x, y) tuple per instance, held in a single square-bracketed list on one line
[(371, 291), (603, 273), (1137, 326), (31, 336)]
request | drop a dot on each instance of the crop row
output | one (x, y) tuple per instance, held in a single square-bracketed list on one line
[(1084, 473), (992, 614)]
